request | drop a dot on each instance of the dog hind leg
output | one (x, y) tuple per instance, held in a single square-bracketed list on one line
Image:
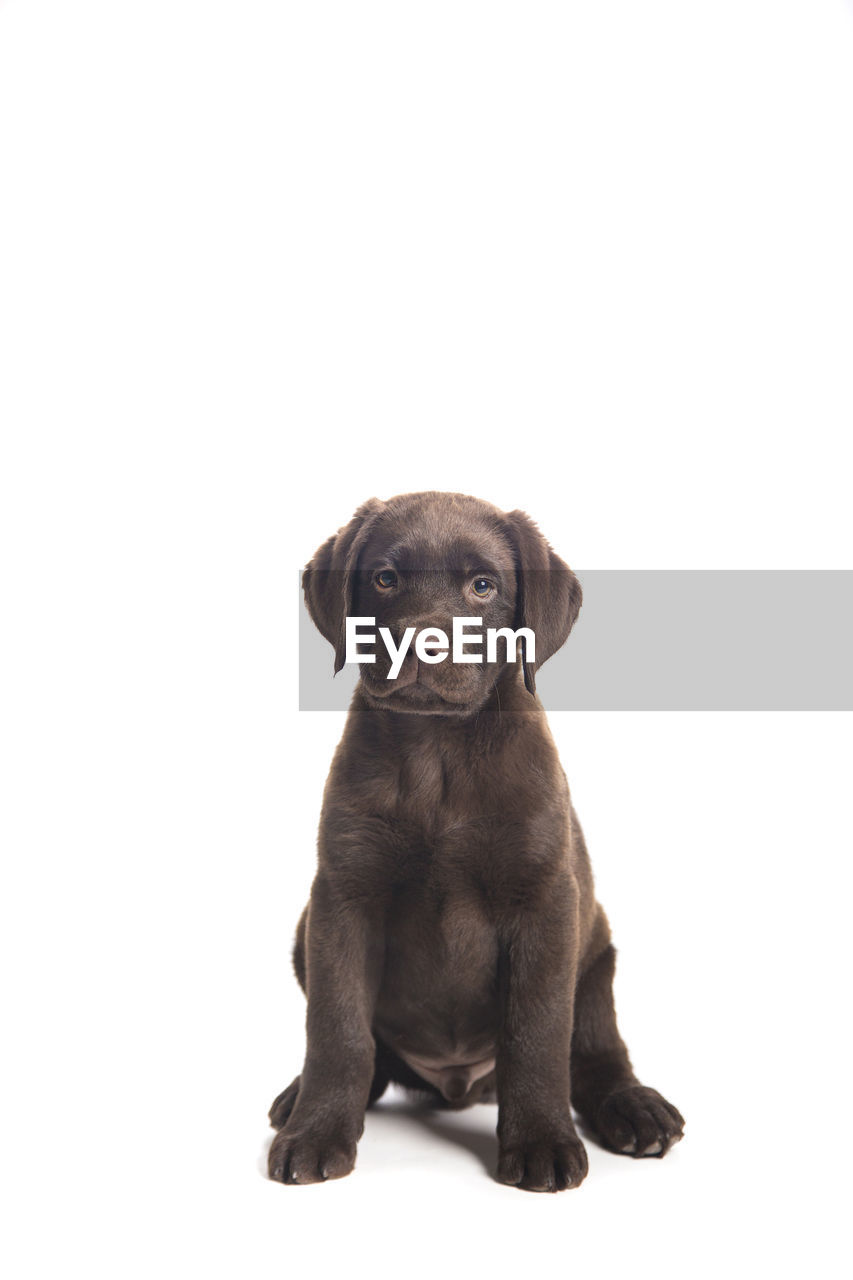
[(624, 1115)]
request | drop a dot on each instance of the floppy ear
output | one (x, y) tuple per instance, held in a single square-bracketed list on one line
[(548, 596), (329, 579)]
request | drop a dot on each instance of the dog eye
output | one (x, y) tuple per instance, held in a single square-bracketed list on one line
[(385, 578), (481, 587)]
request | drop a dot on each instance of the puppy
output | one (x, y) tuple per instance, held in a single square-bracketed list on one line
[(452, 942)]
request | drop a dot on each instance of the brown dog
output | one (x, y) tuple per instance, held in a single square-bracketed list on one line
[(452, 942)]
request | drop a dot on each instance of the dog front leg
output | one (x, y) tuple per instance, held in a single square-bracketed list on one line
[(539, 1146), (343, 967)]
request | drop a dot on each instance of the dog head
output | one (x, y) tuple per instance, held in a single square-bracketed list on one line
[(421, 559)]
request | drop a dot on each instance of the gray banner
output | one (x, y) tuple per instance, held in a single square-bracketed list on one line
[(673, 640)]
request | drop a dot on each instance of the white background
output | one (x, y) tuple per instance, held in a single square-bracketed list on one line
[(261, 261)]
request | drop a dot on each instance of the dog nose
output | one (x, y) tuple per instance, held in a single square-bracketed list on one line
[(454, 1086)]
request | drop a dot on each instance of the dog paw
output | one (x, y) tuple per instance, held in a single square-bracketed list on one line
[(280, 1110), (637, 1121), (302, 1156), (543, 1166)]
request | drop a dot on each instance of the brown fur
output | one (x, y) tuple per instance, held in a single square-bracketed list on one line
[(452, 921)]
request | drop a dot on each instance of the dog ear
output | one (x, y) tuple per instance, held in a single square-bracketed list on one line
[(329, 578), (548, 596)]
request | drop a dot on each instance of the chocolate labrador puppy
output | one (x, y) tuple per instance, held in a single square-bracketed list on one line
[(453, 942)]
